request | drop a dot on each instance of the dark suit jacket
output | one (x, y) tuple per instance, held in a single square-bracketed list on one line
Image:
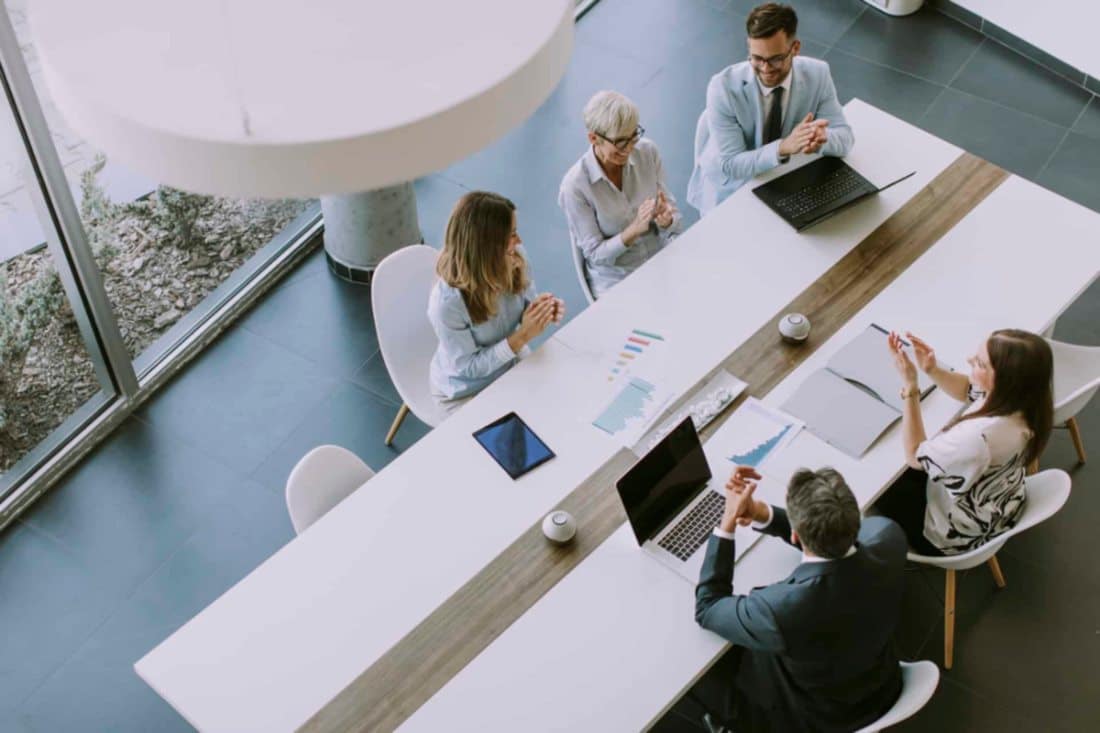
[(818, 645)]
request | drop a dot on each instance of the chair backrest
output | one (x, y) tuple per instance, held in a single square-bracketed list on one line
[(322, 479), (1047, 492), (1076, 378), (918, 682), (400, 288), (582, 273), (702, 134)]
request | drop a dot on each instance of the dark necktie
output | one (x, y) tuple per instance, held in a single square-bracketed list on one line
[(773, 126)]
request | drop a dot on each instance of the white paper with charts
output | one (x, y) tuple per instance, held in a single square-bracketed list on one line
[(635, 386), (752, 436)]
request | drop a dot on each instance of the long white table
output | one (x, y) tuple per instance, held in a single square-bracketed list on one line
[(275, 648), (615, 642)]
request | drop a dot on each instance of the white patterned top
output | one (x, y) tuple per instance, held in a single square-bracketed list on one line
[(975, 483)]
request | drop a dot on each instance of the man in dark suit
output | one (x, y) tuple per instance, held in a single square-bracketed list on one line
[(814, 651)]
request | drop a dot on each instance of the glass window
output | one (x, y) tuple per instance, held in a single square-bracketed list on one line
[(49, 383), (168, 257), (168, 262)]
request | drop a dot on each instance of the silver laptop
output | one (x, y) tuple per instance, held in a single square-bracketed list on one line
[(672, 503)]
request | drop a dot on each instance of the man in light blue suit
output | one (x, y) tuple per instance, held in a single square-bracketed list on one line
[(761, 111)]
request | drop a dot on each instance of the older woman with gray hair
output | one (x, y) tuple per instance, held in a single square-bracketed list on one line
[(619, 209)]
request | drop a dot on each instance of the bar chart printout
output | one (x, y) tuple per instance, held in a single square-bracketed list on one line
[(632, 404), (755, 433), (640, 349)]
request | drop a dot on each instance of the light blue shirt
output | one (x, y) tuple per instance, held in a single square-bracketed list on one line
[(729, 134), (471, 355), (597, 212)]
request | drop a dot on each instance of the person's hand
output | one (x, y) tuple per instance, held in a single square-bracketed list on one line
[(804, 135), (740, 507), (640, 225), (559, 310), (902, 362), (925, 354), (819, 138), (537, 316), (665, 211)]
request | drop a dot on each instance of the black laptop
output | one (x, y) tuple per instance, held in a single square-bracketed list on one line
[(816, 191)]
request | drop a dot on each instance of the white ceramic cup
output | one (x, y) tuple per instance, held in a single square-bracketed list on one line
[(794, 327), (559, 526)]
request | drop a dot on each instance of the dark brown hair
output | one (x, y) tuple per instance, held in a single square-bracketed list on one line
[(823, 512), (1023, 373), (474, 258), (766, 20)]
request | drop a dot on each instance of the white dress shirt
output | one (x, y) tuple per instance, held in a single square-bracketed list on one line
[(766, 93)]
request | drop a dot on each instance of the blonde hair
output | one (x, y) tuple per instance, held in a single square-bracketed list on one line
[(474, 259), (611, 114)]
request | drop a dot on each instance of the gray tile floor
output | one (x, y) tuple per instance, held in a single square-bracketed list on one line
[(186, 497)]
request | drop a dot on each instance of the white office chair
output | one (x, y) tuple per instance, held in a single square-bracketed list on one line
[(918, 683), (322, 479), (1047, 492), (582, 273), (1076, 379), (399, 299)]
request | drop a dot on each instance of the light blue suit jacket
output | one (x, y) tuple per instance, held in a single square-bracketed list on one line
[(728, 136)]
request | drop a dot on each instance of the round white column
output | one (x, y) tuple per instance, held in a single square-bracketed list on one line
[(362, 228)]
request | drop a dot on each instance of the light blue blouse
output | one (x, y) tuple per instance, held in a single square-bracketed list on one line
[(471, 355)]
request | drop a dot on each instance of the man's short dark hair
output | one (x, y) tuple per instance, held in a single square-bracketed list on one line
[(823, 511), (766, 20)]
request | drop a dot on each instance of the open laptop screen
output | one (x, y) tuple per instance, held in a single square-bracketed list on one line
[(664, 481)]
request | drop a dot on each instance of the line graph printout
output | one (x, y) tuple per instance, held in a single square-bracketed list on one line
[(755, 432)]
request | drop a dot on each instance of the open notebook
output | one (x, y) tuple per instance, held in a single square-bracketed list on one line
[(855, 398)]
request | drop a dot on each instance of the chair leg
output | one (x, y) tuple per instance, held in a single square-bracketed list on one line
[(949, 620), (397, 423), (1075, 433), (995, 568)]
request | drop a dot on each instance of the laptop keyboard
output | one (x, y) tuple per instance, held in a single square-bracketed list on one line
[(692, 531), (836, 186)]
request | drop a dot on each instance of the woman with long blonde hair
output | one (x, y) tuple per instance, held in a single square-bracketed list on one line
[(484, 307)]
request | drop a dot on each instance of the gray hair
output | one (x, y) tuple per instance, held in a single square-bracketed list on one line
[(823, 511), (611, 114)]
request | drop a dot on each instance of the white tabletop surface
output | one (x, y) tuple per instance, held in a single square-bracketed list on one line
[(210, 95), (277, 646), (612, 645), (719, 281), (1071, 40)]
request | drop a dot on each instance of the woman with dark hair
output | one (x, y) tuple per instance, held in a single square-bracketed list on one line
[(483, 308), (965, 486)]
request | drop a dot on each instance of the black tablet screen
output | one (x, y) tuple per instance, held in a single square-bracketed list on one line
[(514, 445)]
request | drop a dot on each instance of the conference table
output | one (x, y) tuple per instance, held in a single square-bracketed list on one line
[(429, 600)]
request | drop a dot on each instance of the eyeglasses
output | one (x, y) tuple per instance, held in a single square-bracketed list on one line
[(772, 62), (624, 142)]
